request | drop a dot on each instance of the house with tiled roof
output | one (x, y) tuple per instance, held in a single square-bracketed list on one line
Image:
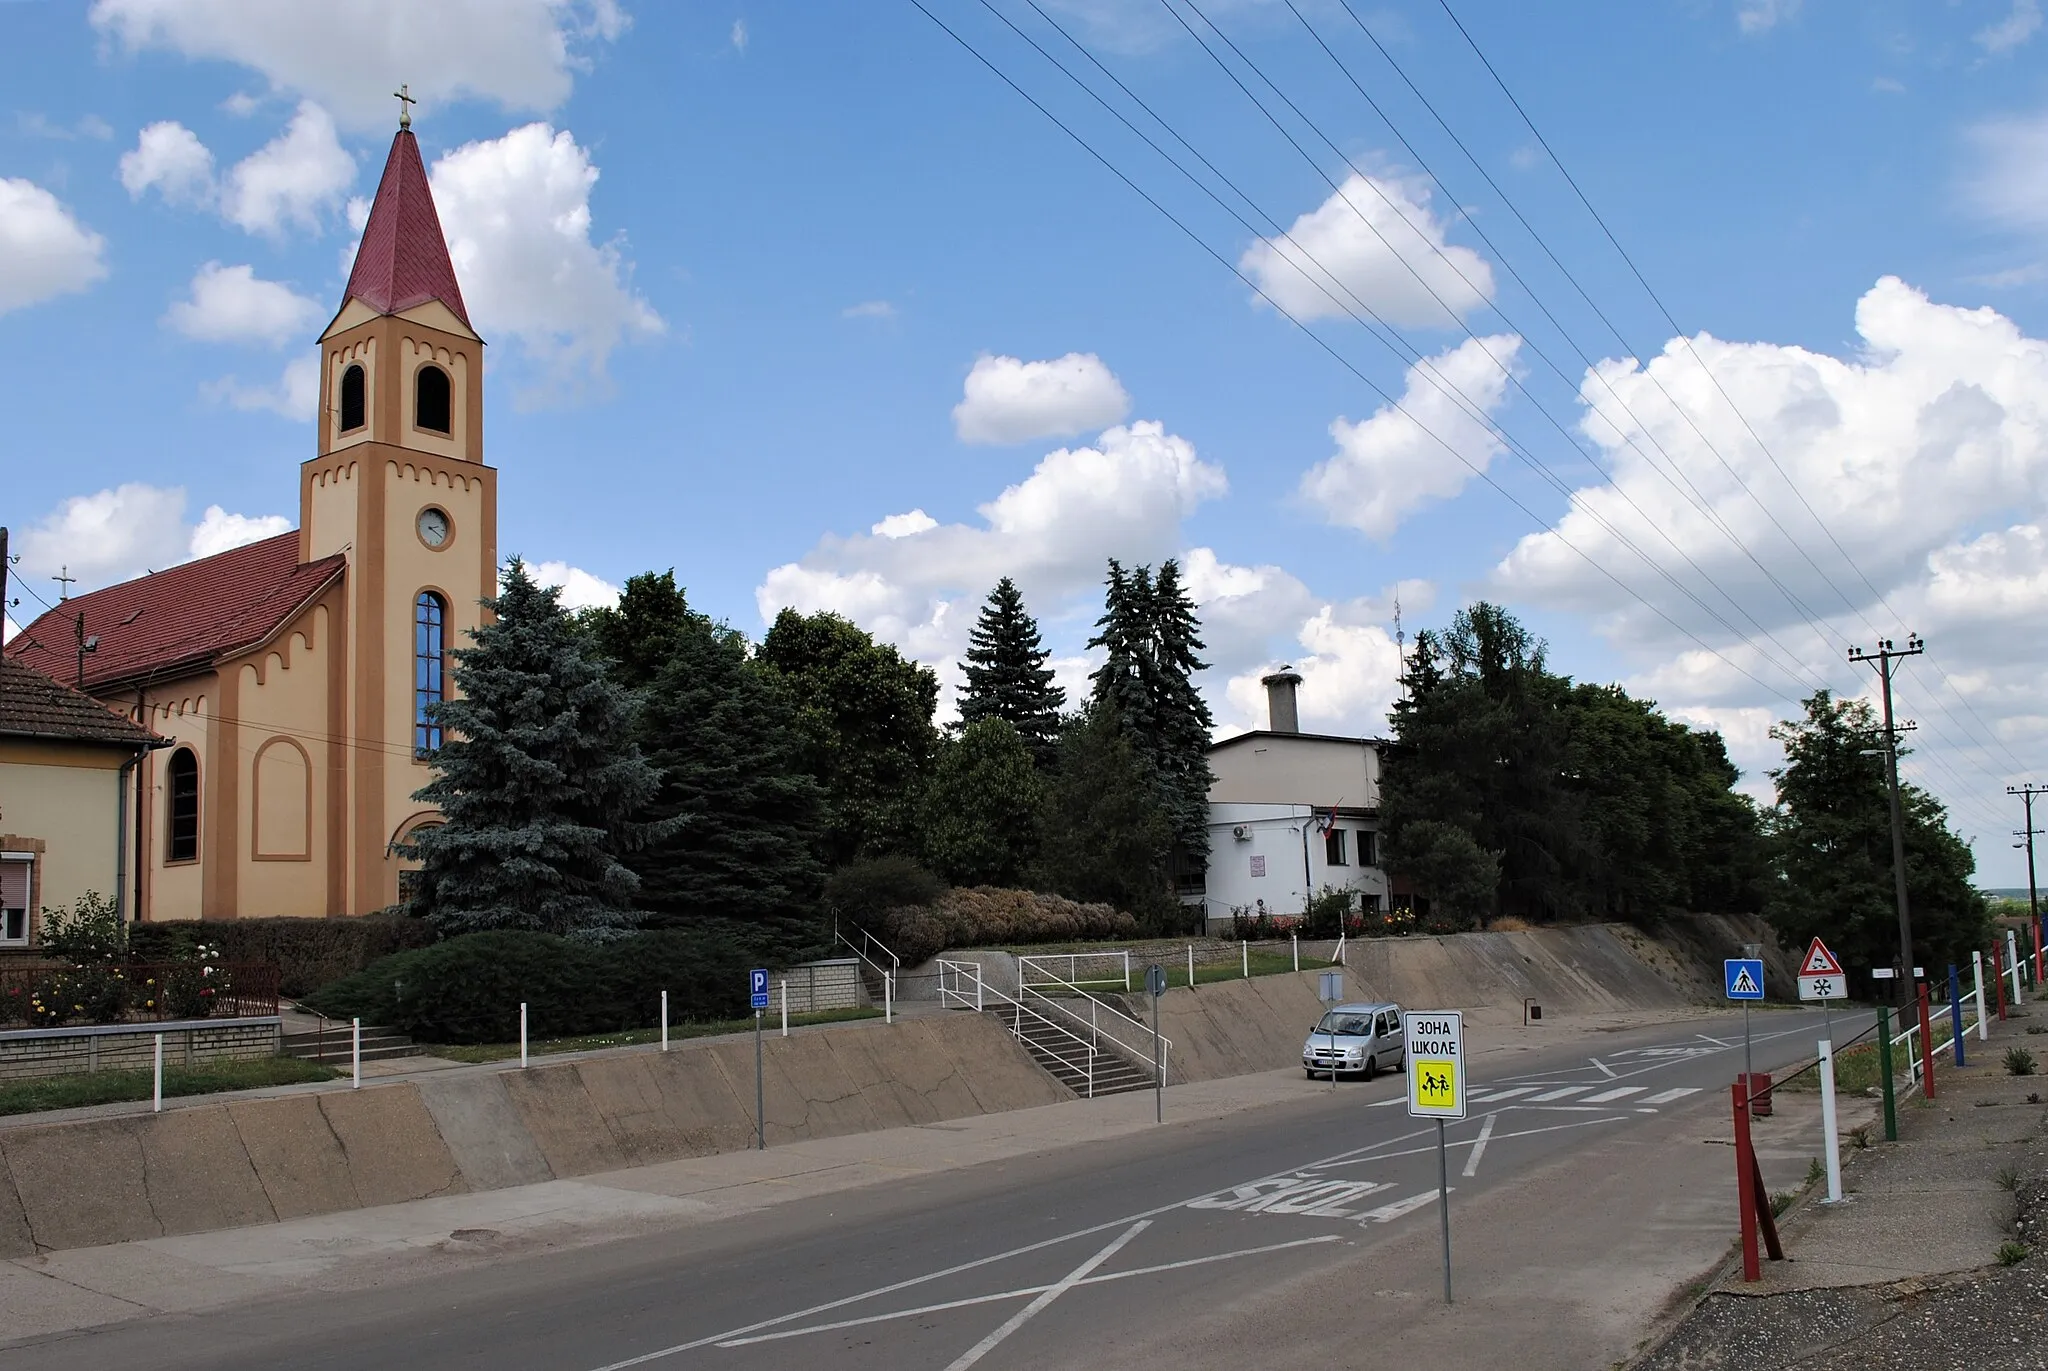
[(66, 770), (292, 677)]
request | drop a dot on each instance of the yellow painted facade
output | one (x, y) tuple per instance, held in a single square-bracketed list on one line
[(60, 800)]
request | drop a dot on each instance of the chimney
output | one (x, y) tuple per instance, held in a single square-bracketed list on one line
[(1282, 714)]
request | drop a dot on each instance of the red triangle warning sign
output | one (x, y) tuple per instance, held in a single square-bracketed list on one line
[(1819, 961)]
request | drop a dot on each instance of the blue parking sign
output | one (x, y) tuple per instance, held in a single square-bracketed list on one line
[(757, 988), (1744, 978)]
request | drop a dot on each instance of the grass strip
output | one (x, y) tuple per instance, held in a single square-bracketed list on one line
[(113, 1087), (632, 1037)]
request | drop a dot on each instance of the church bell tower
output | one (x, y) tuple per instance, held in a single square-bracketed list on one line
[(398, 485)]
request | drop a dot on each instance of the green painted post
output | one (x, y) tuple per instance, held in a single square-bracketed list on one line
[(1884, 1072)]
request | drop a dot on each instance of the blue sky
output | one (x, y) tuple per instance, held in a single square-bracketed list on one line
[(806, 302)]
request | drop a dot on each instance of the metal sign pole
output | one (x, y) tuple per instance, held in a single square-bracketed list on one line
[(760, 1114), (1747, 1068), (1443, 1201), (1158, 1069)]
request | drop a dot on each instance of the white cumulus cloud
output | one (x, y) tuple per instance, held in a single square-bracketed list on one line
[(44, 251), (295, 180), (1395, 462), (2005, 181), (1008, 400), (580, 589), (518, 54), (1374, 244), (234, 305), (1761, 16), (516, 211), (2021, 24), (294, 395), (919, 585), (169, 159), (111, 535)]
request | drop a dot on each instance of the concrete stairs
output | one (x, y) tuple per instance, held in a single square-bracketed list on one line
[(333, 1047), (1066, 1060)]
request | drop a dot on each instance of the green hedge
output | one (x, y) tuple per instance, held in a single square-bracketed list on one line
[(983, 916), (468, 989), (309, 953)]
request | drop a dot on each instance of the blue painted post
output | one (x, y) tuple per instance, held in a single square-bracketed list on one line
[(1955, 1009)]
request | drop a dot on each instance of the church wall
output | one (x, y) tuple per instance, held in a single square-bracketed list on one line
[(329, 495), (181, 711), (282, 829), (455, 571), (413, 354)]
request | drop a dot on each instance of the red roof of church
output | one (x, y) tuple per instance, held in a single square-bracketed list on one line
[(403, 260), (178, 620)]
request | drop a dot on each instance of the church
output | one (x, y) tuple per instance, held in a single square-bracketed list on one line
[(289, 680)]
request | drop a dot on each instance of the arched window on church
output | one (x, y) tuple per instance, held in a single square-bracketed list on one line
[(181, 816), (352, 399), (430, 405), (430, 670)]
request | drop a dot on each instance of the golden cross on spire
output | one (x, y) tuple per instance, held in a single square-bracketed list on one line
[(405, 104)]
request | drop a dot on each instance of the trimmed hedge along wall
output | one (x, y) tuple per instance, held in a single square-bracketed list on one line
[(468, 989), (309, 953)]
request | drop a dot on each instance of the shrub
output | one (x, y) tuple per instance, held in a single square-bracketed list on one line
[(2019, 1061), (89, 930), (867, 890), (984, 915), (468, 989), (308, 953)]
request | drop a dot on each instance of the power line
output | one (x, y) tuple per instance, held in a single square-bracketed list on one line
[(1384, 332), (1712, 378), (1390, 401)]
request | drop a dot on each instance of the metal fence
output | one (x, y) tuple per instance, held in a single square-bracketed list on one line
[(135, 992)]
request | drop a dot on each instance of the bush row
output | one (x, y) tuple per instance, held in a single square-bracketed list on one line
[(983, 915), (468, 989), (308, 953)]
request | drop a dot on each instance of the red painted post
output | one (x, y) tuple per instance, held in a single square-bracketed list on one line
[(2039, 966), (1926, 1048), (1745, 1183), (1998, 979)]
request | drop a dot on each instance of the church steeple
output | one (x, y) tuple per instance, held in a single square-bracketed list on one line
[(403, 261)]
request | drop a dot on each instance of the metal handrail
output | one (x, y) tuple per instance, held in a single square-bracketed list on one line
[(1161, 1045), (949, 993), (1912, 1030), (1027, 965)]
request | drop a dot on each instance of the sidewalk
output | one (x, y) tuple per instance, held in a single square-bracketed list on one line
[(1902, 1271)]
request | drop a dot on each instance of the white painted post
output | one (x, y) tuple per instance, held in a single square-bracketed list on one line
[(977, 987), (157, 1100), (1127, 971), (522, 1035), (785, 1008), (1245, 947), (1296, 937), (888, 998), (355, 1054), (1977, 965), (2012, 961), (664, 1021), (1827, 1121), (1191, 966)]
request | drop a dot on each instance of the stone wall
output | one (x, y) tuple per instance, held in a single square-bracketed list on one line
[(29, 1053), (817, 986)]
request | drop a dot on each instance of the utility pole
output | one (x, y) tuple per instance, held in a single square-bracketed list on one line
[(2026, 793), (1885, 657), (3, 570)]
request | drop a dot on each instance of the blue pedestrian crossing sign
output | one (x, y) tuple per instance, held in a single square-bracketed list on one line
[(757, 987), (1745, 978)]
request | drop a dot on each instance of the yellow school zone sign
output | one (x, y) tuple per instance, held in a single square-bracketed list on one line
[(1436, 1064)]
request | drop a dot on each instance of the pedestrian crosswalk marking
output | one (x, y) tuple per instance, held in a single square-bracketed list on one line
[(1561, 1094), (1668, 1096), (1491, 1095), (1624, 1092)]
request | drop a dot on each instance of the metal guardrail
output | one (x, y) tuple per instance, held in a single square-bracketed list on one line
[(1041, 965), (961, 984)]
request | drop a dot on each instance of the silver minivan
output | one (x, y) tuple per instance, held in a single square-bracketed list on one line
[(1359, 1038)]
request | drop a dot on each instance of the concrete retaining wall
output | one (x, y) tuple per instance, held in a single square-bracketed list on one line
[(225, 1164), (38, 1052)]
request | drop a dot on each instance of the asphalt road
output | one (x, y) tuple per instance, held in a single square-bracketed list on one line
[(1055, 1259)]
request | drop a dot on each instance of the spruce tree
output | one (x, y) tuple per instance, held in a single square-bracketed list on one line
[(1123, 683), (538, 779), (1183, 721), (1007, 677)]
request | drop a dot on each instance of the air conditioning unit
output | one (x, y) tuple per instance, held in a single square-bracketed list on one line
[(1242, 832)]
